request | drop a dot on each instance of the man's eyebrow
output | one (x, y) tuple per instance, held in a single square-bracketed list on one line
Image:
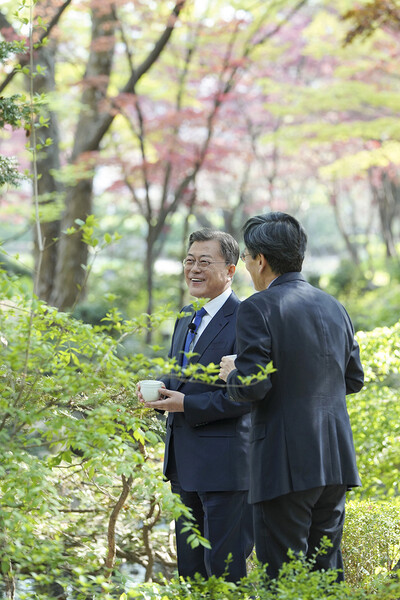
[(201, 255)]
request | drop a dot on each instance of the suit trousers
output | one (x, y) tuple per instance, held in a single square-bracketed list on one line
[(225, 519), (299, 520)]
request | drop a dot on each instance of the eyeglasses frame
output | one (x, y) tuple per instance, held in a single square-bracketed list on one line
[(197, 262)]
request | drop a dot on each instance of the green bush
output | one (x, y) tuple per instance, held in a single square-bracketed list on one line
[(369, 291), (347, 278), (80, 480), (375, 307), (371, 540), (296, 581), (375, 413), (80, 465)]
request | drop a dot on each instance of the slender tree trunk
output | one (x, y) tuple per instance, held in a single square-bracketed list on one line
[(149, 270), (152, 517), (387, 211), (185, 239), (111, 549), (8, 578), (339, 221), (149, 266), (234, 218), (9, 586), (182, 282), (387, 198)]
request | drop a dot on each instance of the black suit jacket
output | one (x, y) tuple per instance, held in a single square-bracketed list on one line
[(211, 436), (301, 436)]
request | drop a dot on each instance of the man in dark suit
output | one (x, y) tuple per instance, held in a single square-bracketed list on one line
[(302, 458), (207, 442)]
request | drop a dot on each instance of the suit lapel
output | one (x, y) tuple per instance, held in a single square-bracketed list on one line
[(215, 326), (181, 332), (177, 348)]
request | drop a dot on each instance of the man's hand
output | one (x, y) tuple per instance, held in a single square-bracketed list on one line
[(139, 393), (227, 365), (172, 401)]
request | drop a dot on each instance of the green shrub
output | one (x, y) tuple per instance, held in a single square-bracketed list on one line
[(375, 413), (79, 455), (375, 307), (371, 540), (347, 278), (80, 464), (296, 582)]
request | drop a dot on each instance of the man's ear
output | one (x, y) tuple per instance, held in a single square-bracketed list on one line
[(267, 273), (231, 271), (262, 262)]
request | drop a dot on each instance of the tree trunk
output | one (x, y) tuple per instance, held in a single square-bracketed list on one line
[(149, 266), (112, 522), (387, 198), (49, 190), (72, 252), (388, 206), (70, 275), (149, 269), (92, 126), (342, 229)]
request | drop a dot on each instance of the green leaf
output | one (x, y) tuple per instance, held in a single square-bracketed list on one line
[(5, 566)]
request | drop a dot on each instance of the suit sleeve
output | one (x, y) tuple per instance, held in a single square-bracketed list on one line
[(213, 404), (354, 375), (254, 350), (209, 406)]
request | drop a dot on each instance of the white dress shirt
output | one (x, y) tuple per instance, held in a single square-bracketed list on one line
[(212, 308)]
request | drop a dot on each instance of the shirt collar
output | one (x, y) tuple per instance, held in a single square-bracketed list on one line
[(213, 306)]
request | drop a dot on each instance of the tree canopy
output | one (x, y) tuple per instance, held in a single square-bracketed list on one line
[(205, 111)]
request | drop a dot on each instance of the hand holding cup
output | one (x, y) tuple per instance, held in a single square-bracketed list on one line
[(149, 390), (227, 365)]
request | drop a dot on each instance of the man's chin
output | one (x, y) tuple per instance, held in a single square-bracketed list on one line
[(197, 291)]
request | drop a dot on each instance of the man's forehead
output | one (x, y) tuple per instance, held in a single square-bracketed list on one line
[(206, 248)]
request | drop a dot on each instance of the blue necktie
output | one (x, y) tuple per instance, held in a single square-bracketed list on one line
[(191, 333)]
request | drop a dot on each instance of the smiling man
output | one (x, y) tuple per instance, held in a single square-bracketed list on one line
[(207, 442)]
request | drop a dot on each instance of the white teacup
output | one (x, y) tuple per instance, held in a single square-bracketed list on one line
[(149, 389)]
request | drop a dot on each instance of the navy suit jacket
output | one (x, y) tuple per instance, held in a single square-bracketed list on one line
[(301, 436), (211, 436)]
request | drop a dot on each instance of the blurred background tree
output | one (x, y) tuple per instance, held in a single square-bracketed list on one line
[(168, 117)]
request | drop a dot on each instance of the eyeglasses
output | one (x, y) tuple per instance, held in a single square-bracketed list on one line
[(243, 255), (203, 263)]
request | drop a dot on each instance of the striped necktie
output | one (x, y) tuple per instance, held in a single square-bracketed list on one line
[(192, 332)]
